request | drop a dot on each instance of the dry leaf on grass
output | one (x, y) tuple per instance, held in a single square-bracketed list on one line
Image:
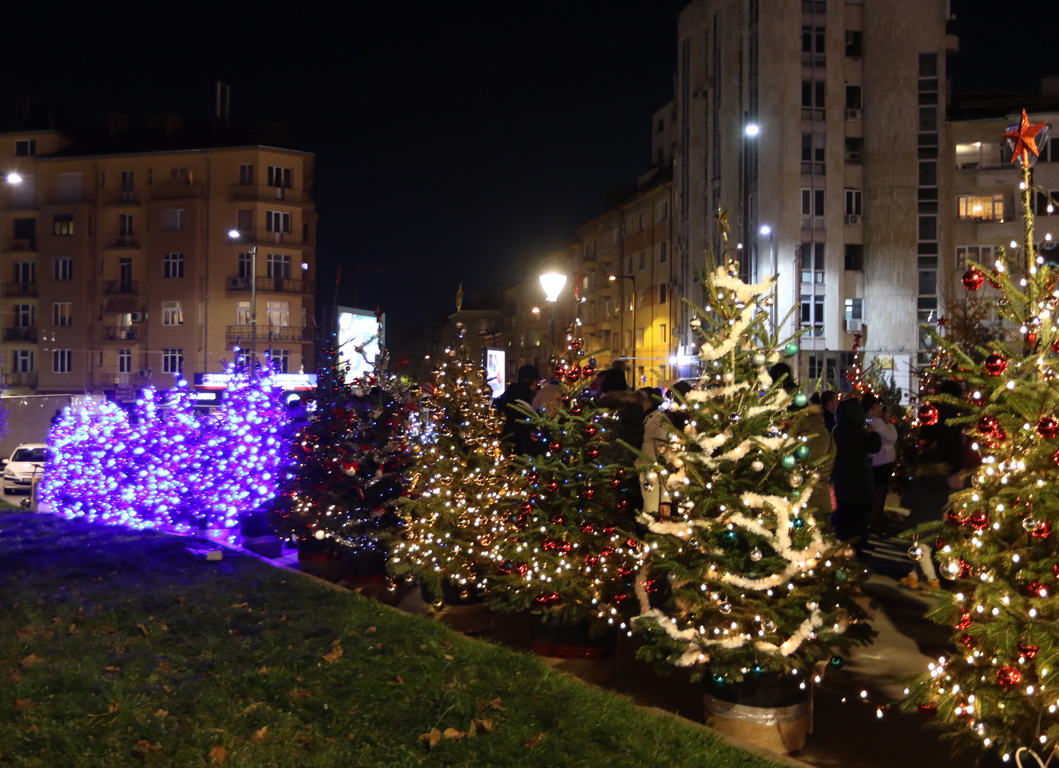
[(259, 735), (263, 671), (432, 738), (119, 649), (25, 633), (486, 724), (110, 710), (112, 669), (31, 659), (452, 733), (300, 693), (400, 680), (334, 654), (534, 741), (217, 755), (148, 748), (161, 713), (371, 629), (181, 599), (142, 628), (72, 630), (449, 658), (21, 704)]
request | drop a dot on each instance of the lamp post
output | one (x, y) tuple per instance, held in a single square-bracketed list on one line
[(750, 131), (235, 235), (553, 284), (614, 278), (767, 230)]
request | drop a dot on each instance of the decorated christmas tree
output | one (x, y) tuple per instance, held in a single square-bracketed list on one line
[(574, 550), (752, 582), (998, 541), (463, 490), (346, 470)]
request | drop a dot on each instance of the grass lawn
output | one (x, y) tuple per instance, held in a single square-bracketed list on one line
[(120, 647)]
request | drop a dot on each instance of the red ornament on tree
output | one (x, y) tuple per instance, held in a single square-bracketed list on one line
[(996, 364), (987, 425), (965, 620), (1028, 651), (979, 521), (552, 486), (997, 438), (558, 519), (927, 710), (973, 279), (1036, 589), (928, 414), (588, 528), (1055, 345), (1044, 530), (1048, 427), (588, 493), (952, 517), (976, 398), (593, 452), (968, 641), (1008, 677), (548, 598)]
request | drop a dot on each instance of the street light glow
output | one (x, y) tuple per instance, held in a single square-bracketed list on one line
[(766, 229), (552, 283), (233, 233), (752, 129), (14, 178)]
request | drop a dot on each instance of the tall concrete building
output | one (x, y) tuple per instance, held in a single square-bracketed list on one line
[(119, 270), (819, 124)]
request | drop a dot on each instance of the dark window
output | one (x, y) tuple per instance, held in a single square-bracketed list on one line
[(854, 43), (854, 257), (928, 65), (26, 148), (662, 293), (26, 230), (854, 150), (853, 97), (928, 174)]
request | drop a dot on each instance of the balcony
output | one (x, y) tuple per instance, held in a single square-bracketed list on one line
[(21, 333), (125, 241), (20, 289), (264, 193), (121, 333), (111, 380), (271, 285), (23, 244), (121, 287), (265, 333), (177, 191), (20, 379), (124, 197)]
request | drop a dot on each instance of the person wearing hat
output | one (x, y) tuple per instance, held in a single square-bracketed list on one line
[(513, 404)]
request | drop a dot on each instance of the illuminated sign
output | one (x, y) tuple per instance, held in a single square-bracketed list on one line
[(360, 334), (494, 370), (288, 382)]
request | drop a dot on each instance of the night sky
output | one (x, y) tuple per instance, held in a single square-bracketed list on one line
[(453, 139)]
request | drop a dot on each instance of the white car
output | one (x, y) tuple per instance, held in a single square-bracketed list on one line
[(26, 461)]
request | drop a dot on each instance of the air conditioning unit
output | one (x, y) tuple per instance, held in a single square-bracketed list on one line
[(145, 373), (239, 283), (853, 114), (854, 326), (136, 317), (853, 218)]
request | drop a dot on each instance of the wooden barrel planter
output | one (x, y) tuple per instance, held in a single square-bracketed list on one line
[(460, 608), (577, 647), (770, 710)]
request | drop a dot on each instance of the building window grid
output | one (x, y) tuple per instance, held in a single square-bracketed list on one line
[(979, 254), (63, 224), (22, 361), (124, 361), (172, 360), (62, 314), (173, 265), (813, 154), (812, 263), (280, 359), (927, 299), (25, 272), (62, 360), (172, 313)]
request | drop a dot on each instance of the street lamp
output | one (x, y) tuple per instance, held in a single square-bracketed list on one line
[(751, 131), (14, 177), (614, 278), (234, 234), (553, 284), (767, 230)]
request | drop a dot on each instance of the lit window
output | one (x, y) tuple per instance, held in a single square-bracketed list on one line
[(980, 207), (172, 313)]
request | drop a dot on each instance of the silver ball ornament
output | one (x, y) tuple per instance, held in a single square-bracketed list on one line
[(757, 465)]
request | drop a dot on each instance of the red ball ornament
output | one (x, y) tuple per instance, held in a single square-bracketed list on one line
[(1036, 589), (1055, 345), (552, 486), (979, 521), (1031, 338), (1048, 428), (976, 398), (615, 482), (573, 374), (928, 414), (965, 620), (527, 507), (593, 452), (952, 517), (994, 279), (988, 424), (968, 641), (973, 279), (532, 477), (591, 560), (591, 430), (554, 445), (587, 371), (1028, 651), (560, 371), (577, 410), (622, 504), (1044, 530), (927, 710), (588, 528), (996, 364), (558, 519), (1008, 677), (548, 544), (565, 547), (588, 493), (548, 598), (997, 438)]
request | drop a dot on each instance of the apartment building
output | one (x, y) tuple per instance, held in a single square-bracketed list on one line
[(119, 268), (820, 126)]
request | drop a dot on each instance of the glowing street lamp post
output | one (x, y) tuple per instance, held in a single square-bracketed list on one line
[(613, 278), (767, 230), (553, 284), (234, 235)]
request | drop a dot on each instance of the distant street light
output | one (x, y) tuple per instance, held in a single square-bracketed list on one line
[(553, 284), (235, 235), (752, 129), (14, 178), (614, 278)]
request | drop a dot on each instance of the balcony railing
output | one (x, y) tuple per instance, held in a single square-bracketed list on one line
[(23, 244), (119, 379), (21, 333), (271, 285), (20, 379), (176, 191), (266, 193), (124, 197), (120, 287), (265, 333), (126, 241), (20, 289), (121, 333)]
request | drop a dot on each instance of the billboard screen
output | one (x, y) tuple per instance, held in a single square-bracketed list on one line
[(360, 334), (494, 370)]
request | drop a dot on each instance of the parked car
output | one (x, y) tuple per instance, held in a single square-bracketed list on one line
[(26, 461)]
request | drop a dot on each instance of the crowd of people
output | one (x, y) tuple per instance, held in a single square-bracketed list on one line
[(852, 441)]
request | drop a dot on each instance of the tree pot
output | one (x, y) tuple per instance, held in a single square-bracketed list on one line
[(460, 608), (319, 559), (575, 646), (769, 710)]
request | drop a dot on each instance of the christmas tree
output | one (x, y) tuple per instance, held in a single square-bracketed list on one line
[(752, 581), (998, 539), (574, 549), (347, 462), (463, 490)]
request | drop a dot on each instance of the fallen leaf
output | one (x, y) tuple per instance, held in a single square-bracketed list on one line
[(449, 658), (258, 735), (161, 713), (112, 669), (72, 630), (114, 707), (400, 680), (148, 748), (371, 629), (15, 675), (34, 728), (495, 704), (283, 617), (21, 704), (181, 599), (240, 605), (446, 642), (27, 632), (452, 733), (301, 693), (31, 659), (534, 741), (57, 620), (473, 730), (334, 654), (486, 724), (263, 671), (422, 647), (432, 738), (143, 629), (119, 649), (167, 689), (217, 755), (165, 627)]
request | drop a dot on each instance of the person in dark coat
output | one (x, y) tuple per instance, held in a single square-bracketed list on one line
[(516, 430), (852, 475), (828, 404)]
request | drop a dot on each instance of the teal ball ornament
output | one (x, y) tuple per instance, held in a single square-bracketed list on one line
[(718, 679), (791, 348), (835, 662), (802, 452), (842, 575), (789, 462), (798, 523), (800, 400), (756, 669), (729, 537)]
